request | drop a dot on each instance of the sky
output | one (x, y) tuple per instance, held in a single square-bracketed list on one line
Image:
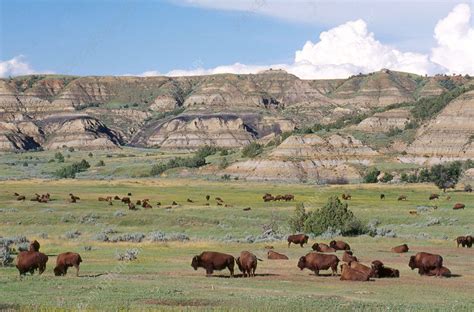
[(309, 38)]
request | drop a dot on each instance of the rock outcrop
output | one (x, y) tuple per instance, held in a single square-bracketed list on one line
[(385, 121)]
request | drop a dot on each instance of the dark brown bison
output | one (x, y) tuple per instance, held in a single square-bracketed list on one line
[(146, 205), (443, 271), (247, 263), (131, 206), (21, 197), (348, 257), (126, 200), (339, 245), (298, 239), (346, 196), (288, 197), (469, 240), (382, 196), (189, 200), (317, 261), (34, 246), (433, 196), (267, 197), (247, 209), (273, 255), (361, 267), (464, 241), (400, 249), (29, 261), (129, 194), (174, 203), (350, 274), (402, 197), (425, 262), (74, 196), (210, 261), (102, 199), (321, 247), (116, 197), (459, 206), (208, 197), (138, 202), (381, 271), (65, 261)]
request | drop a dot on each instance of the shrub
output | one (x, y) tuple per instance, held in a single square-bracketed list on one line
[(128, 255), (25, 164), (446, 175), (72, 234), (335, 215), (128, 237), (252, 150), (223, 163), (5, 256), (119, 214), (387, 177), (298, 219), (371, 175), (226, 177), (224, 152), (101, 237), (71, 149), (59, 157), (91, 155), (100, 163), (70, 171)]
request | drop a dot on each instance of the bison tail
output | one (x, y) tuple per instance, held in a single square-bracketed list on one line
[(259, 259)]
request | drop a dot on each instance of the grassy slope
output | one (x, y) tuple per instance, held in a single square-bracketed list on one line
[(162, 276)]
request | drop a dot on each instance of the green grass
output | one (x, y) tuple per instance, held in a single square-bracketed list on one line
[(162, 277)]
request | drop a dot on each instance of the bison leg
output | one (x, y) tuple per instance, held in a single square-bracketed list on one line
[(77, 269), (231, 269), (334, 270), (289, 243), (316, 272), (209, 272), (301, 245)]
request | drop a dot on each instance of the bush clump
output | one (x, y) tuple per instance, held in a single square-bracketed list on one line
[(5, 256), (128, 255), (298, 219), (252, 150), (198, 160), (72, 234), (128, 237), (70, 171), (371, 175)]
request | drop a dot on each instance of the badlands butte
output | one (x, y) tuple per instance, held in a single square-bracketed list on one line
[(310, 129)]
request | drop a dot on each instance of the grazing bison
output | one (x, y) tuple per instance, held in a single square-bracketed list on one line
[(381, 271), (382, 196), (458, 206), (34, 246), (348, 257), (116, 197), (268, 197), (129, 194), (346, 196), (298, 239), (147, 205), (174, 203), (288, 197), (413, 212), (339, 245), (102, 199), (361, 268), (316, 261), (247, 263), (443, 271), (321, 247), (425, 262), (273, 255), (402, 197), (65, 261), (29, 261), (350, 274), (138, 202), (434, 196), (400, 249), (210, 261)]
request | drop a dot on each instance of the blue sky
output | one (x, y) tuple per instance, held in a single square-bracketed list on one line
[(132, 37)]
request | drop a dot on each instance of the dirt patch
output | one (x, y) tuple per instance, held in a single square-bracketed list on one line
[(179, 303)]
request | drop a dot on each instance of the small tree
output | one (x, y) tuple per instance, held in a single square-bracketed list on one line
[(252, 150), (298, 219), (59, 157), (371, 175), (447, 175), (387, 177)]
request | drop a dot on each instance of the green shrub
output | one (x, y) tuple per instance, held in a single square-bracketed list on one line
[(226, 177), (100, 163), (59, 157), (70, 171), (298, 219), (198, 160), (387, 177), (371, 175), (446, 175), (335, 215), (71, 149), (252, 150), (25, 164)]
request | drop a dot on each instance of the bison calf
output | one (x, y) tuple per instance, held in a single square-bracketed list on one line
[(65, 261), (29, 261), (316, 262), (211, 261), (247, 263), (400, 249)]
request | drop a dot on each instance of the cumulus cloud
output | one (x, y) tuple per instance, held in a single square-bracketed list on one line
[(455, 37), (15, 67)]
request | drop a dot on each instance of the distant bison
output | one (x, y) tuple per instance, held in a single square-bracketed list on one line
[(65, 261), (126, 200), (210, 261), (346, 196), (400, 249), (350, 274), (339, 245), (298, 239), (34, 246), (382, 196), (321, 247), (348, 257), (316, 261), (433, 196), (273, 255), (247, 263), (464, 241), (29, 261), (402, 197), (425, 262), (459, 206)]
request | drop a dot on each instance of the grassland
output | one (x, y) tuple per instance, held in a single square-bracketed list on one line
[(162, 278)]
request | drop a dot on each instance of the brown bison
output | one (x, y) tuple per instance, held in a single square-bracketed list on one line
[(34, 246), (443, 271), (273, 255), (102, 199), (208, 197), (65, 261), (402, 197), (190, 200), (346, 196), (348, 257), (464, 241), (247, 263), (433, 196), (382, 196), (21, 197), (126, 200), (267, 197), (361, 268), (400, 249), (316, 261), (29, 261), (131, 206), (298, 239), (116, 197), (425, 262), (288, 197), (459, 206), (321, 247), (350, 274), (381, 271), (339, 245), (210, 261)]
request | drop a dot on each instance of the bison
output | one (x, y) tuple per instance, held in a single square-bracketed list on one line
[(400, 249), (210, 261), (273, 255), (321, 247), (459, 206), (21, 198), (425, 262), (402, 197), (29, 261), (348, 257), (65, 261), (464, 241), (433, 196), (346, 196), (443, 271), (361, 268), (126, 200), (267, 197), (316, 261), (34, 246), (298, 239), (381, 271), (247, 263), (382, 196), (339, 245), (350, 274)]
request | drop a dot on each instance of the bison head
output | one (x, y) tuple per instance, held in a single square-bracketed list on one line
[(195, 262), (239, 264), (59, 271), (315, 247), (306, 237), (302, 263), (332, 244), (412, 263)]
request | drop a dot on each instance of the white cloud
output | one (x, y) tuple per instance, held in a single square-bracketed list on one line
[(17, 66), (455, 37)]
